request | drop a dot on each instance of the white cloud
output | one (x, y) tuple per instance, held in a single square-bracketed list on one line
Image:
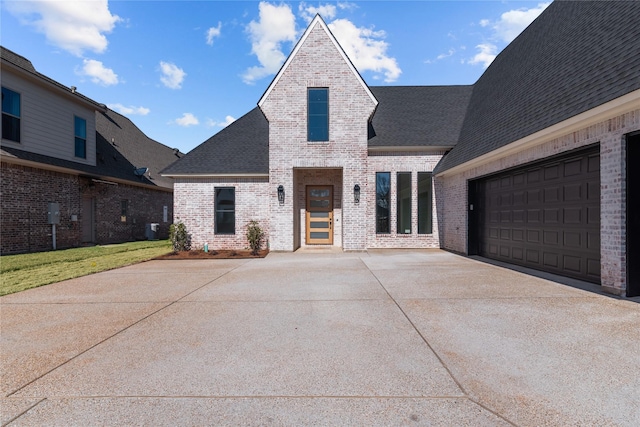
[(186, 120), (131, 110), (513, 22), (487, 53), (446, 55), (212, 33), (505, 29), (172, 75), (227, 121), (98, 72), (276, 25), (74, 26), (327, 11), (366, 48)]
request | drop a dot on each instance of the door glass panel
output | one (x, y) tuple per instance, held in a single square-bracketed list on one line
[(319, 193), (319, 224), (319, 214), (319, 234), (319, 203)]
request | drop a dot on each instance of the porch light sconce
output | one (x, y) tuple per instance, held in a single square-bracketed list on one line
[(356, 193), (281, 194)]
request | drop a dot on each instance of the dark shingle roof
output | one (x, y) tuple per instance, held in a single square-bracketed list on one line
[(130, 149), (574, 57), (242, 147), (17, 60), (418, 115)]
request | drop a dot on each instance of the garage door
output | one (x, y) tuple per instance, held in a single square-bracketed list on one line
[(544, 216)]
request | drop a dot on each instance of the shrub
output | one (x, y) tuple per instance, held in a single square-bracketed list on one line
[(180, 239), (255, 236)]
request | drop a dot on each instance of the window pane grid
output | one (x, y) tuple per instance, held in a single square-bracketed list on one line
[(425, 214), (80, 131), (10, 115)]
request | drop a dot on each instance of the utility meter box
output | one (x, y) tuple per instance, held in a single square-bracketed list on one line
[(53, 213)]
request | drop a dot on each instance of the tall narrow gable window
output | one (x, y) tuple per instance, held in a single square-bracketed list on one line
[(318, 114), (80, 132), (10, 115), (225, 206)]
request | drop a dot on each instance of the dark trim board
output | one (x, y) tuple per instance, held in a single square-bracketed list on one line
[(544, 215), (633, 214)]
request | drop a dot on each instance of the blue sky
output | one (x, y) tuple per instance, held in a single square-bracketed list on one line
[(182, 70)]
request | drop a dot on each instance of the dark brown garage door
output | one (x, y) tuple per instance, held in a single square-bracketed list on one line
[(544, 216)]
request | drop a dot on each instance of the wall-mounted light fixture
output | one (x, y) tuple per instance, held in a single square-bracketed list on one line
[(356, 193), (281, 194)]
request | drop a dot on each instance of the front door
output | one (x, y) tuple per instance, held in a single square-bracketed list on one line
[(319, 223)]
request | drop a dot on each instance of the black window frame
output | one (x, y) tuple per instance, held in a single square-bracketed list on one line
[(80, 141), (425, 203), (383, 224), (224, 209), (316, 113), (11, 123), (402, 180)]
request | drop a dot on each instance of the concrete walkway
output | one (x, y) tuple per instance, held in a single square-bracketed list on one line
[(386, 337)]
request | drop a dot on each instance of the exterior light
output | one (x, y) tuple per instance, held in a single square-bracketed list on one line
[(356, 193), (281, 194)]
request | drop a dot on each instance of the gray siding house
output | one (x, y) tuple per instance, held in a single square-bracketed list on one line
[(61, 147), (530, 165)]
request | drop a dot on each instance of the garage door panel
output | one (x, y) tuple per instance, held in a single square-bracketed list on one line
[(545, 216)]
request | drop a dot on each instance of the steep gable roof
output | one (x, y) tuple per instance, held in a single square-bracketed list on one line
[(316, 21), (418, 116), (242, 148), (575, 56)]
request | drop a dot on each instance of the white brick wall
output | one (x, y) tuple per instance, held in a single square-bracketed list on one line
[(317, 63), (194, 206), (610, 134), (394, 163)]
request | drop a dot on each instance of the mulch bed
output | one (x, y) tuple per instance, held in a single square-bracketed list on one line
[(214, 254)]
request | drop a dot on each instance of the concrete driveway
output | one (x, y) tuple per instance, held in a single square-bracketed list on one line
[(387, 337)]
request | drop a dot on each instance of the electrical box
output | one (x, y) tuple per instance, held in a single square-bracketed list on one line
[(53, 213)]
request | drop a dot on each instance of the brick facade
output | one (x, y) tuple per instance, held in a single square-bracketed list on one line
[(610, 135), (194, 204), (26, 192), (318, 63)]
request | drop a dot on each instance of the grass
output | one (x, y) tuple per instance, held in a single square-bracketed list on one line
[(26, 271)]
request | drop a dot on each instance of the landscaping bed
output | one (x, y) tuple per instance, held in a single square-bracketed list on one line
[(214, 254)]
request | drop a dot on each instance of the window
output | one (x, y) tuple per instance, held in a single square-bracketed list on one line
[(225, 206), (404, 203), (318, 114), (425, 216), (80, 131), (10, 115), (383, 185), (123, 210)]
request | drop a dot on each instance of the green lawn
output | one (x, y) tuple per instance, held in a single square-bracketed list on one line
[(26, 271)]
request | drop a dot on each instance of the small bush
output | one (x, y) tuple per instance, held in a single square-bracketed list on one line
[(255, 236), (180, 239)]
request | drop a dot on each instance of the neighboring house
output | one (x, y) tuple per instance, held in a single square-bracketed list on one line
[(96, 166), (528, 166)]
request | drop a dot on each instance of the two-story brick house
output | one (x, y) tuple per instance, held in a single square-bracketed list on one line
[(527, 166), (93, 164)]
